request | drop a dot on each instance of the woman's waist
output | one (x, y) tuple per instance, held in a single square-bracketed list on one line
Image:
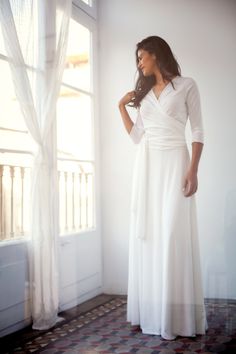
[(165, 139)]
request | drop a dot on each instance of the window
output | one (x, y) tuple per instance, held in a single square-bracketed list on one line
[(75, 133), (16, 147), (75, 138)]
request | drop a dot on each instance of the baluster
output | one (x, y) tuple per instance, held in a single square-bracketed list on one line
[(1, 202), (91, 200), (60, 200), (86, 198), (22, 172), (12, 174), (73, 200), (80, 200), (66, 211)]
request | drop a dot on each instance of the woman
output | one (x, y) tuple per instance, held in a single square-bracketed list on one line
[(165, 295)]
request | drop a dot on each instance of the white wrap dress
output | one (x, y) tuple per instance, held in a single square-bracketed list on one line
[(165, 295)]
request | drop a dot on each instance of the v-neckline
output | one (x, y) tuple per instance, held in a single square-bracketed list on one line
[(157, 98)]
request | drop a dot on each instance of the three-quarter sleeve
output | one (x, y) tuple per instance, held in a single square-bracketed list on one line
[(137, 129), (194, 112)]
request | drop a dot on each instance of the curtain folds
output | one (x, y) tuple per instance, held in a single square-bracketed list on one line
[(35, 36)]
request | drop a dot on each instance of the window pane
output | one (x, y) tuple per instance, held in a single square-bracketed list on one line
[(10, 116), (74, 125), (77, 71), (12, 140), (23, 12), (13, 131), (88, 2), (2, 46)]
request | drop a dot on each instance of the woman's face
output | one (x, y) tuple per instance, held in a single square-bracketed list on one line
[(146, 62)]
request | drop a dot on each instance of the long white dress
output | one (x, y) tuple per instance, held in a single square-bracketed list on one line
[(165, 295)]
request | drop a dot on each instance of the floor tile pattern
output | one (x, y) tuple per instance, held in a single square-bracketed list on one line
[(105, 330)]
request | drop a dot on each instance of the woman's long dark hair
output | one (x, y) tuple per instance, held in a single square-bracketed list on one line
[(166, 63)]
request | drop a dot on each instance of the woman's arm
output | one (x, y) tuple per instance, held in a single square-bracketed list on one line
[(135, 130), (123, 111), (191, 180), (195, 116), (196, 154)]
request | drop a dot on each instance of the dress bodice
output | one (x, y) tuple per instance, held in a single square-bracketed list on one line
[(164, 118)]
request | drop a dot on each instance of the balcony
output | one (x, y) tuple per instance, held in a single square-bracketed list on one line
[(76, 198)]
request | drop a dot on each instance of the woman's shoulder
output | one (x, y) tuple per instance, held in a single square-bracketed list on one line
[(187, 81)]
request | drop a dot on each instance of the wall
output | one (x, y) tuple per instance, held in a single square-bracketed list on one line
[(80, 277), (14, 289), (202, 36)]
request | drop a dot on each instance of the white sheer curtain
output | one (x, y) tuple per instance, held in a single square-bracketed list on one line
[(35, 36)]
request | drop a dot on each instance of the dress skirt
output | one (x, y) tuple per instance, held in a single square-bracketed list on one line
[(165, 295)]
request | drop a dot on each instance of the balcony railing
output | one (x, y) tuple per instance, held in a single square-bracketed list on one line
[(76, 198), (76, 193)]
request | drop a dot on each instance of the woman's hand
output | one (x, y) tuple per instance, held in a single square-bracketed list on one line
[(190, 183), (127, 98)]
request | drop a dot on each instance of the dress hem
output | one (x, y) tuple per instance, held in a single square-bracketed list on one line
[(169, 336)]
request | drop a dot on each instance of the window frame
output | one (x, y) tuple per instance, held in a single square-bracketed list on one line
[(83, 17), (90, 10), (86, 16)]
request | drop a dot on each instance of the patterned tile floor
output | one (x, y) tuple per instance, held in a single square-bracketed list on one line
[(104, 330)]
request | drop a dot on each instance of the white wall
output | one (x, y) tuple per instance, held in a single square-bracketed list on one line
[(14, 287), (202, 36), (80, 277)]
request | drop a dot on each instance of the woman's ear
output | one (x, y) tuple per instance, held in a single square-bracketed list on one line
[(155, 59)]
